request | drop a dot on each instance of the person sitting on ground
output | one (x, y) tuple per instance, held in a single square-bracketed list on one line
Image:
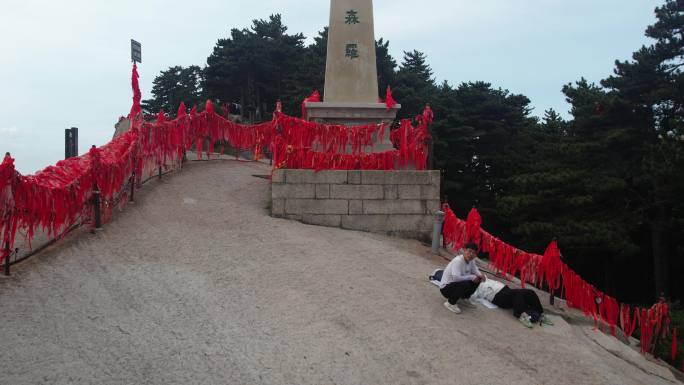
[(524, 302), (461, 278)]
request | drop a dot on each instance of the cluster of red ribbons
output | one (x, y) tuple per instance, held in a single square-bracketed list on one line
[(315, 97), (328, 138), (389, 100), (549, 270), (306, 145), (303, 158)]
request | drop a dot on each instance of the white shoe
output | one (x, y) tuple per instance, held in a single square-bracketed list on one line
[(525, 320), (454, 308)]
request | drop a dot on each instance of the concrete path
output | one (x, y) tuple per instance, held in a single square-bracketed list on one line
[(196, 284)]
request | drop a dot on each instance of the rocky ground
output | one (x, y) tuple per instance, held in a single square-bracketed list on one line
[(197, 284)]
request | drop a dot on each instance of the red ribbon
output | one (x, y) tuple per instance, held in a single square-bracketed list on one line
[(315, 97), (389, 100)]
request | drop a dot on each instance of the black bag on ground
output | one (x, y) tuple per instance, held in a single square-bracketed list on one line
[(436, 275)]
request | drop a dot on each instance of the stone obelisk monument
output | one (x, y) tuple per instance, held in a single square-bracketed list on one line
[(351, 94), (351, 72)]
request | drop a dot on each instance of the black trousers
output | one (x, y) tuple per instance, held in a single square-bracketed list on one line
[(520, 300), (457, 290)]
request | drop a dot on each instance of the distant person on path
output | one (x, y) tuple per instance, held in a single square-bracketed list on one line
[(524, 302), (461, 278)]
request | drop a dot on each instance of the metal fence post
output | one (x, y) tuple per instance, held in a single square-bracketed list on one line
[(74, 141), (96, 208), (7, 256), (7, 250), (437, 232), (67, 143), (70, 142), (132, 182)]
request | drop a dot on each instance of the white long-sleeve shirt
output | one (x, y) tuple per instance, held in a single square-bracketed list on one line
[(488, 290), (458, 270)]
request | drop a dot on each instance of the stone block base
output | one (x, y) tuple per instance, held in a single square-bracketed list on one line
[(398, 203)]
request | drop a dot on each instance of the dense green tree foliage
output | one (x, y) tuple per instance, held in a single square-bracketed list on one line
[(647, 112), (257, 66), (473, 143), (414, 84), (173, 86)]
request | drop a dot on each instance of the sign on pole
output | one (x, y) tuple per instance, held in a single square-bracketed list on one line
[(136, 51)]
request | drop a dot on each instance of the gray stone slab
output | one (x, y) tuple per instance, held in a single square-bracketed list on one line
[(391, 191), (396, 177), (356, 191), (278, 207), (278, 176), (310, 176), (393, 207), (322, 191), (354, 177), (410, 191), (322, 220), (355, 207), (429, 192), (387, 223), (435, 176), (316, 206), (432, 206), (286, 190)]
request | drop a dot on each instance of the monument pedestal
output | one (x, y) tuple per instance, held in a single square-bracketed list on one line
[(354, 114)]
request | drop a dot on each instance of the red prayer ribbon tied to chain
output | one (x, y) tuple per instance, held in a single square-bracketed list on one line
[(315, 97), (301, 144), (389, 100), (549, 270)]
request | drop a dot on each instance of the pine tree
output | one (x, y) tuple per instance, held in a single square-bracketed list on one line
[(414, 85), (648, 105), (386, 66), (568, 185), (256, 66), (473, 141), (173, 86)]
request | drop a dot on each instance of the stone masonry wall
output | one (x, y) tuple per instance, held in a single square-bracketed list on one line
[(400, 203)]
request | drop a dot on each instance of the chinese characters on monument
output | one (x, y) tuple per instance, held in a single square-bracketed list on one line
[(352, 49), (352, 17)]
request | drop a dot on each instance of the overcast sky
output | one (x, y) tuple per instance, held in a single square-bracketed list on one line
[(67, 63)]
